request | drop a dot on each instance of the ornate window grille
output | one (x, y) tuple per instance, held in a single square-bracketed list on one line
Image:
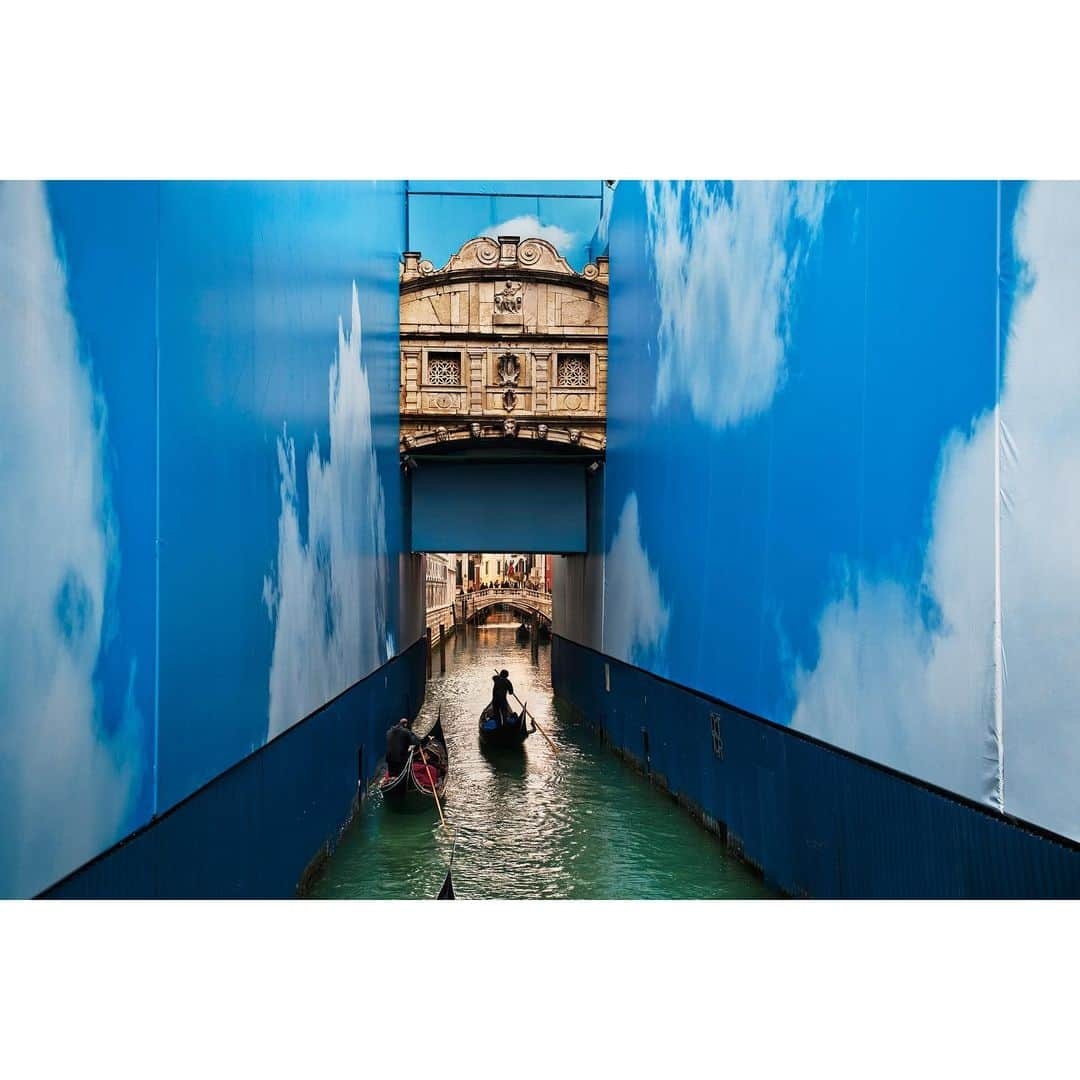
[(444, 369), (573, 370)]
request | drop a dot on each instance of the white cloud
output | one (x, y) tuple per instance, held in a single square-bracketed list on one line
[(528, 226), (65, 788), (922, 699), (910, 691), (724, 269), (1040, 527), (327, 596), (635, 615)]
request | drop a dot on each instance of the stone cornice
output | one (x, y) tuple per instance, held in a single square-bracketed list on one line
[(593, 286), (505, 258), (588, 435), (491, 340)]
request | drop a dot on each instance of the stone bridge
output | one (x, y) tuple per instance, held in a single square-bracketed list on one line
[(527, 601)]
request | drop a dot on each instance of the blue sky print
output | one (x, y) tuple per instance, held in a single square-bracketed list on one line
[(805, 439), (198, 389), (563, 212), (76, 675), (328, 594)]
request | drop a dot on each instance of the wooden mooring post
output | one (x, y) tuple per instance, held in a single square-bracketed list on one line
[(429, 652), (534, 637), (442, 649)]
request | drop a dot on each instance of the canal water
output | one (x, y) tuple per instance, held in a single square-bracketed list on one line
[(578, 824)]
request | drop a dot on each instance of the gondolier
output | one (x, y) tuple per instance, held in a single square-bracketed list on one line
[(421, 778), (502, 687), (400, 739)]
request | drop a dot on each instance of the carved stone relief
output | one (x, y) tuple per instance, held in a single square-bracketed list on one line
[(508, 300), (509, 369)]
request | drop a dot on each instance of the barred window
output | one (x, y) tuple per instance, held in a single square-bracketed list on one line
[(444, 369), (573, 369)]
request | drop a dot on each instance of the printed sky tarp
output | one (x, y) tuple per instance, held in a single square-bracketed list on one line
[(198, 385), (842, 447)]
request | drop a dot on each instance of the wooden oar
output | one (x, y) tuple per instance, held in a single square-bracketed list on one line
[(536, 725), (431, 781)]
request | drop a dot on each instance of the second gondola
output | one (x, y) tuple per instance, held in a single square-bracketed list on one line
[(412, 788), (506, 735)]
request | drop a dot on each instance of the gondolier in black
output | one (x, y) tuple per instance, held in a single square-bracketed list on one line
[(502, 687), (399, 740)]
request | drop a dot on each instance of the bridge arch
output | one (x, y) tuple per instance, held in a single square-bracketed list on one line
[(526, 601)]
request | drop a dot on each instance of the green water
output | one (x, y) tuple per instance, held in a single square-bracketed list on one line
[(577, 824)]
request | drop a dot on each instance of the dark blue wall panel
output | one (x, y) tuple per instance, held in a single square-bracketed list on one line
[(250, 832), (474, 507), (817, 821)]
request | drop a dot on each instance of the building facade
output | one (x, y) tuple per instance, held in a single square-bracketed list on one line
[(506, 341)]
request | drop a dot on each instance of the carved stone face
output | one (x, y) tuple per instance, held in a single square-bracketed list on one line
[(509, 427), (541, 431), (409, 442), (575, 435), (474, 430), (441, 434)]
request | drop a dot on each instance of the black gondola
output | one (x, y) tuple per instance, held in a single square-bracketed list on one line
[(411, 788), (447, 890), (507, 735), (522, 633)]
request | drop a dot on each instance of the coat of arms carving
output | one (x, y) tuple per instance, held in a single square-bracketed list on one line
[(508, 370)]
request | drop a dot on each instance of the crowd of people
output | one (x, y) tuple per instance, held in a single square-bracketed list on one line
[(505, 583)]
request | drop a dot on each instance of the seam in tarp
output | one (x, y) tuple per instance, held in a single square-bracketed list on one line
[(997, 795)]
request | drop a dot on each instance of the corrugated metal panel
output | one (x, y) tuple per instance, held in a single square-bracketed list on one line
[(817, 821)]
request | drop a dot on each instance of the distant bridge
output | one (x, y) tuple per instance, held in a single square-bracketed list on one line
[(527, 601)]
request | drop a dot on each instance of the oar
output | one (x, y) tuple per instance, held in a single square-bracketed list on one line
[(535, 724), (431, 781)]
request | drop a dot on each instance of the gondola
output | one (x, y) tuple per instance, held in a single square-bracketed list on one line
[(447, 890), (505, 736), (410, 789), (522, 633)]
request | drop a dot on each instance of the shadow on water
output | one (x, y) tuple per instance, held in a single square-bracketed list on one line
[(529, 823)]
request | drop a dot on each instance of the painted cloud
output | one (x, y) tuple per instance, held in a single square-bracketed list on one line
[(528, 226), (327, 596), (724, 269), (65, 786), (919, 693), (1040, 514), (635, 615)]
